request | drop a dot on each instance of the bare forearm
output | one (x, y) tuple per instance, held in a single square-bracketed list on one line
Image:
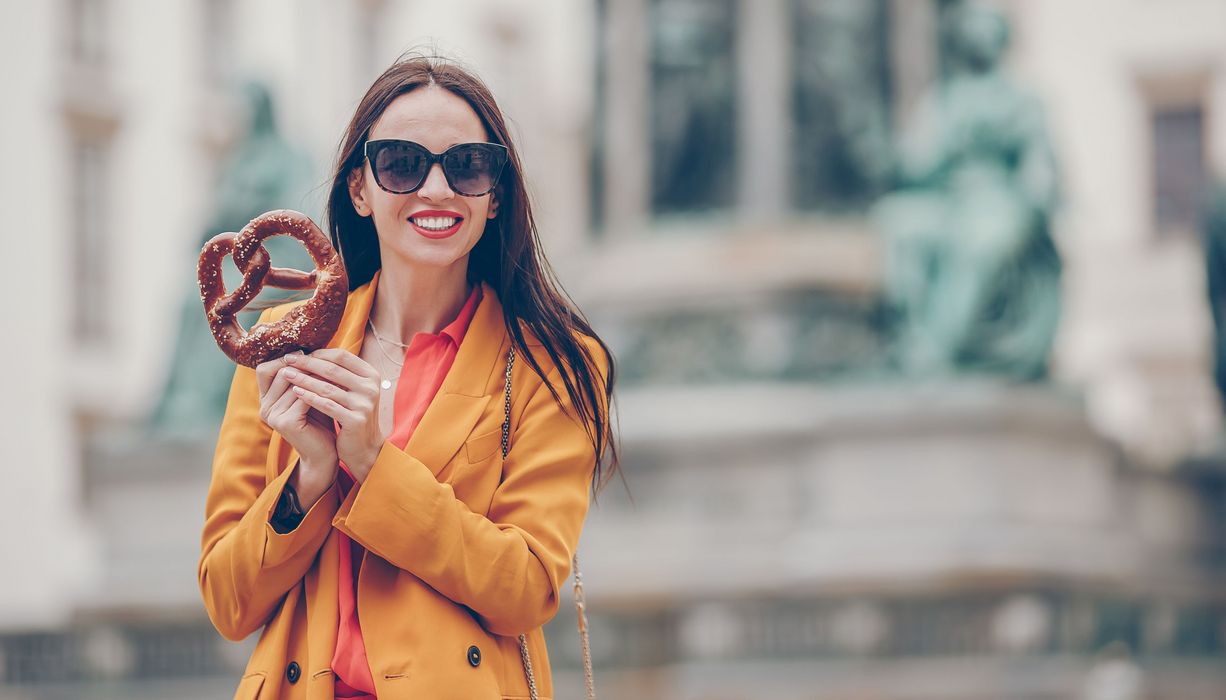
[(311, 481)]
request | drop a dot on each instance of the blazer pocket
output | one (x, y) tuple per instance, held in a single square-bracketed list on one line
[(479, 449), (249, 687)]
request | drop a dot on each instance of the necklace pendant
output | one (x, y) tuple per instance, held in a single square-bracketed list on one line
[(386, 384)]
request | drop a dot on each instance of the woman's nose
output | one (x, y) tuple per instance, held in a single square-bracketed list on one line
[(435, 187)]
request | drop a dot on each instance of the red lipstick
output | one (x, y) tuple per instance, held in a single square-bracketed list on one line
[(434, 232)]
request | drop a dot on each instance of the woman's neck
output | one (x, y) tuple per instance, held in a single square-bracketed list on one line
[(411, 301)]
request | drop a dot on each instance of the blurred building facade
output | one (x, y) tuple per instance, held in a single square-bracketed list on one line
[(804, 526)]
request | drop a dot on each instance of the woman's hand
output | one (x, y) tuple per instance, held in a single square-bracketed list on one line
[(345, 387), (308, 431)]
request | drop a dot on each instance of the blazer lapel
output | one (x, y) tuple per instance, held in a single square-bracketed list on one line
[(353, 321), (466, 390), (465, 393)]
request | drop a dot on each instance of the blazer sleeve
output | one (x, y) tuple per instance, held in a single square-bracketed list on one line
[(509, 567), (246, 566)]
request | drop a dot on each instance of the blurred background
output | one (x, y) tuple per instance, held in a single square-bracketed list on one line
[(913, 303)]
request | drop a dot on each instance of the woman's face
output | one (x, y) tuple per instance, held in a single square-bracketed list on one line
[(437, 119)]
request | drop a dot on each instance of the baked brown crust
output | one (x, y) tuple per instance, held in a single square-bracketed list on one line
[(308, 326)]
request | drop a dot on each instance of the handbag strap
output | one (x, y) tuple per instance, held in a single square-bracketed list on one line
[(580, 607)]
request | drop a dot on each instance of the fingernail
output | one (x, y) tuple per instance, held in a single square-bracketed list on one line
[(291, 372), (291, 358)]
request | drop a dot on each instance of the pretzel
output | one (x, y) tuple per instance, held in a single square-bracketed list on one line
[(305, 327)]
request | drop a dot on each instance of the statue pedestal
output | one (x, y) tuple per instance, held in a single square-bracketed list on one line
[(886, 541), (832, 486), (961, 479)]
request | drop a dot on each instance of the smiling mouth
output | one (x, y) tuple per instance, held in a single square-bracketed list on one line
[(435, 223)]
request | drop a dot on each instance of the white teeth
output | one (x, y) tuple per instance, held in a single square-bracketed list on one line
[(435, 223)]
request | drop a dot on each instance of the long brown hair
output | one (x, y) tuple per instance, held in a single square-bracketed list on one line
[(508, 256)]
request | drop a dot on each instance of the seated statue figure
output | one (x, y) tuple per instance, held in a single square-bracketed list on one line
[(972, 276)]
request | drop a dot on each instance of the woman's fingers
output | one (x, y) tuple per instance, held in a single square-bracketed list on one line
[(278, 408), (277, 388), (316, 418), (340, 367), (349, 361), (331, 383), (280, 384), (325, 405), (346, 399), (300, 410), (266, 371)]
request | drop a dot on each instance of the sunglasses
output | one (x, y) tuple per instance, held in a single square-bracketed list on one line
[(401, 167)]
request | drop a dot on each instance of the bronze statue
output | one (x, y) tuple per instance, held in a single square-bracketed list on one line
[(1213, 234), (972, 274)]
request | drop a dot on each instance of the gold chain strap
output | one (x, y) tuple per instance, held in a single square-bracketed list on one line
[(580, 606)]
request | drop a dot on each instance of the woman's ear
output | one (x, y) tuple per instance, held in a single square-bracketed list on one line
[(493, 208), (355, 181)]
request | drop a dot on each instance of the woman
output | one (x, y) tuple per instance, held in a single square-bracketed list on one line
[(360, 508)]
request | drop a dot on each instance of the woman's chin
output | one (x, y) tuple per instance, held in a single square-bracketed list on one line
[(437, 257)]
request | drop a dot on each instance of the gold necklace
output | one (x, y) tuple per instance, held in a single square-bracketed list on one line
[(381, 338), (379, 341), (385, 383)]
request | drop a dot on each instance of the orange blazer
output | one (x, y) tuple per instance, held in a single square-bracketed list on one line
[(467, 551)]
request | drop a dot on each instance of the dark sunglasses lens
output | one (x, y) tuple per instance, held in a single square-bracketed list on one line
[(399, 167), (473, 169)]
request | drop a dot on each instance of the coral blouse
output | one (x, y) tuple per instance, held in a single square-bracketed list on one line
[(426, 362)]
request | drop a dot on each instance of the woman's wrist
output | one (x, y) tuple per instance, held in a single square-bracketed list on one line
[(309, 482)]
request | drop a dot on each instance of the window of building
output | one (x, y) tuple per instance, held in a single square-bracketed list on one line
[(748, 107), (596, 161), (91, 296), (841, 103), (692, 104), (1179, 178), (87, 31), (218, 40)]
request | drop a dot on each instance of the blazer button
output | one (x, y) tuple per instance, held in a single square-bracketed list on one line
[(474, 656), (293, 672)]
